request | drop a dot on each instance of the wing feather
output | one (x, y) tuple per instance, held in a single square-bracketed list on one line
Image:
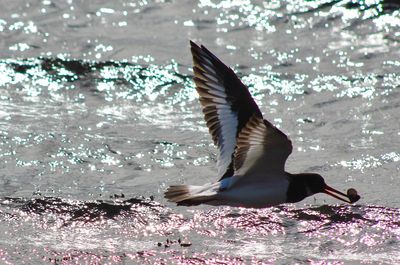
[(226, 102), (261, 149)]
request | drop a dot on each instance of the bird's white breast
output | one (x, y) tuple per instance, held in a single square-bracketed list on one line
[(256, 194)]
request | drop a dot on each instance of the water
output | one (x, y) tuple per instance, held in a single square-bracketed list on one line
[(98, 115)]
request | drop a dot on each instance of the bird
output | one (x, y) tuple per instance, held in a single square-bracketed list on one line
[(252, 152)]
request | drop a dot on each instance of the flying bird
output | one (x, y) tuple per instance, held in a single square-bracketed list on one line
[(251, 151)]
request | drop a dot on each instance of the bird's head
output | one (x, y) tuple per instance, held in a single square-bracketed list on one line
[(310, 183)]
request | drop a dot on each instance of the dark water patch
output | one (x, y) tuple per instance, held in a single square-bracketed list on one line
[(80, 211), (142, 257), (82, 257), (347, 214), (112, 79), (379, 8), (326, 103), (314, 6)]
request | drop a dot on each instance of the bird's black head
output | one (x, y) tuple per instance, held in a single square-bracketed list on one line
[(307, 184), (314, 183)]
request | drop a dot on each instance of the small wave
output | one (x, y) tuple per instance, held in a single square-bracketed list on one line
[(71, 211)]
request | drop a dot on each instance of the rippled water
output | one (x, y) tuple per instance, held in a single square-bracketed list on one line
[(98, 115)]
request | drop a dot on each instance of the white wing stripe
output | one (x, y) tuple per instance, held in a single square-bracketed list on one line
[(211, 77), (216, 93), (208, 68), (208, 62), (220, 90), (229, 123), (213, 86)]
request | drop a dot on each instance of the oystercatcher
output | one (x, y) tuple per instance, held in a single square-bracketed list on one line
[(251, 151)]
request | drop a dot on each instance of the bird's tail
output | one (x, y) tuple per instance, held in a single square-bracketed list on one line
[(188, 195)]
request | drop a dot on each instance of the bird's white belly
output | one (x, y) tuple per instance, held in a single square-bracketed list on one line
[(257, 195)]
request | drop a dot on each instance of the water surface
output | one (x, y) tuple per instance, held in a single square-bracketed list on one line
[(98, 115)]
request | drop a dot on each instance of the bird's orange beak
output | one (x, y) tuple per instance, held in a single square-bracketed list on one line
[(340, 195)]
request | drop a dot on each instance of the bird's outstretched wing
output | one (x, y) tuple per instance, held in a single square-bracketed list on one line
[(226, 102), (261, 151)]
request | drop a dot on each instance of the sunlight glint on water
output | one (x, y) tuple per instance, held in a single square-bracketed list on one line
[(98, 115)]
